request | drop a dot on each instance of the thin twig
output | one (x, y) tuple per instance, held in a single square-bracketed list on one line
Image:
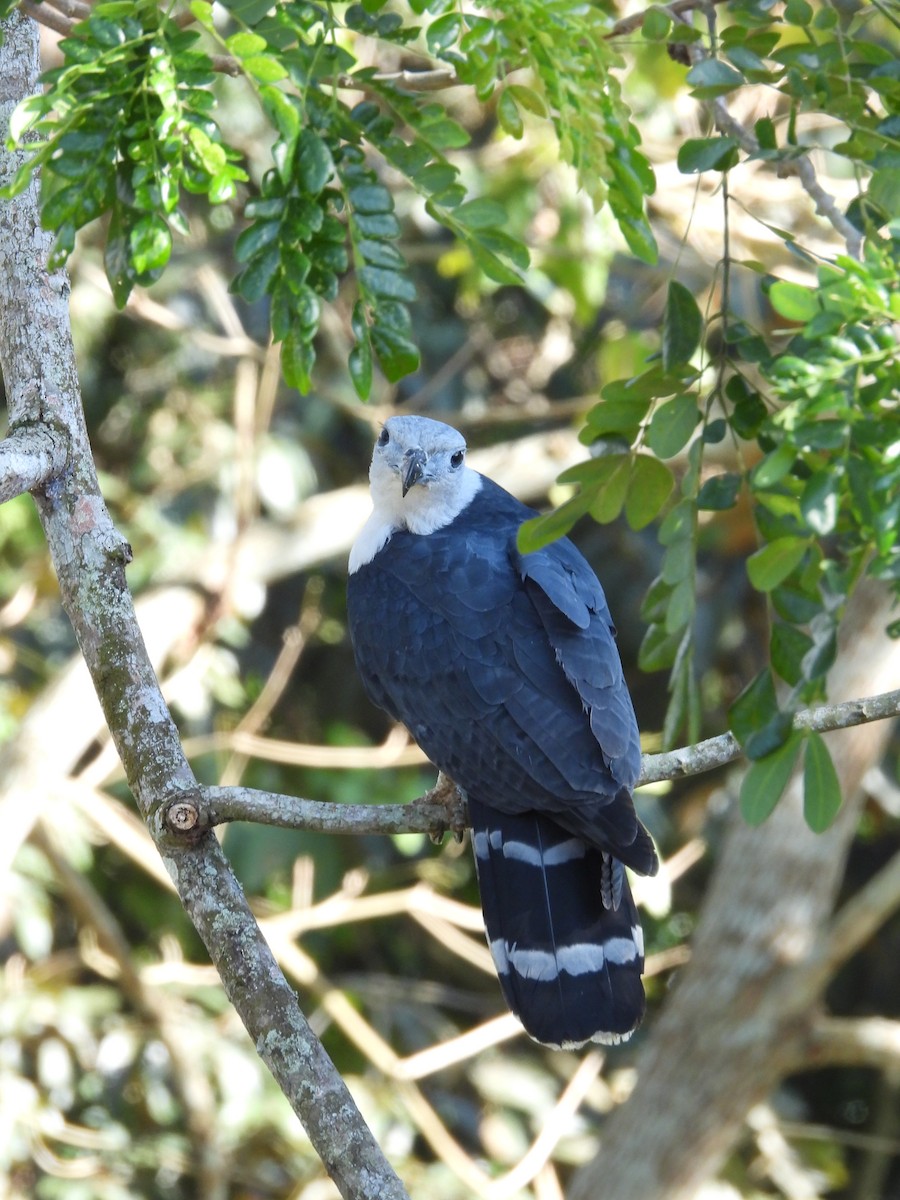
[(48, 17), (725, 748), (635, 21), (850, 1042), (77, 10), (411, 81), (800, 165)]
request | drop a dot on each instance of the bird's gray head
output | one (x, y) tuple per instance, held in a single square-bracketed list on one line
[(419, 481)]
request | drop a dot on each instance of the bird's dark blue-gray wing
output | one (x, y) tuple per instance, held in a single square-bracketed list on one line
[(505, 671), (575, 616)]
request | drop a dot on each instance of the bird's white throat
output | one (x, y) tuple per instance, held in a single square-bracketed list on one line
[(424, 509)]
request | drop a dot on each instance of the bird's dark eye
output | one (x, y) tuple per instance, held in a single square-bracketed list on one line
[(456, 459), (383, 438)]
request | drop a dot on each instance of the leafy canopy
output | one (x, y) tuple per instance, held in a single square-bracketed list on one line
[(128, 125)]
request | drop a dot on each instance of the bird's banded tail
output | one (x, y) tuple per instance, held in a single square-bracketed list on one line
[(562, 927)]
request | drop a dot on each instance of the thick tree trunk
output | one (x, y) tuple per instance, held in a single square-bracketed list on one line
[(741, 1010)]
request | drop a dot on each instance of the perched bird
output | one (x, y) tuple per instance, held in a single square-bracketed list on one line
[(504, 668)]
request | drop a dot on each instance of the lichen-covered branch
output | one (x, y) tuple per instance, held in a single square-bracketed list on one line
[(441, 810), (725, 748), (90, 558)]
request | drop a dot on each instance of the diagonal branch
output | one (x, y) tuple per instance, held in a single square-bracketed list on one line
[(90, 557), (799, 165), (725, 748)]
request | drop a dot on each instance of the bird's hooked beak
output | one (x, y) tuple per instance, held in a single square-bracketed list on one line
[(413, 468)]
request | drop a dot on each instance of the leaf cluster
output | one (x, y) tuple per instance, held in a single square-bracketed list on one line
[(815, 422), (127, 126), (659, 411), (816, 60), (827, 487), (571, 68)]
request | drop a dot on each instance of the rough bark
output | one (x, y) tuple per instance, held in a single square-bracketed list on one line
[(742, 1013), (90, 558)]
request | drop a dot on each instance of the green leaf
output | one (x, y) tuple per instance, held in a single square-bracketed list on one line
[(281, 112), (257, 277), (672, 425), (314, 163), (651, 384), (658, 649), (382, 226), (444, 133), (682, 327), (754, 708), (678, 525), (480, 214), (244, 45), (359, 363), (819, 501), (538, 532), (529, 99), (720, 492), (656, 601), (707, 154), (509, 116), (638, 235), (798, 12), (884, 190), (202, 11), (251, 240), (443, 33), (397, 354), (684, 704), (371, 198), (380, 254), (648, 489), (682, 604), (711, 77), (788, 648), (766, 780), (821, 787), (494, 268), (390, 285), (771, 565), (793, 301), (117, 261), (617, 417), (607, 495), (150, 241), (297, 360), (765, 133), (264, 68), (656, 24), (773, 468)]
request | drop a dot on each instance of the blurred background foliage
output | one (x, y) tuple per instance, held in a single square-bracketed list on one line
[(123, 1073)]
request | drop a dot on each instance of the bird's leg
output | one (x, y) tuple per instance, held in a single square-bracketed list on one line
[(448, 798)]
